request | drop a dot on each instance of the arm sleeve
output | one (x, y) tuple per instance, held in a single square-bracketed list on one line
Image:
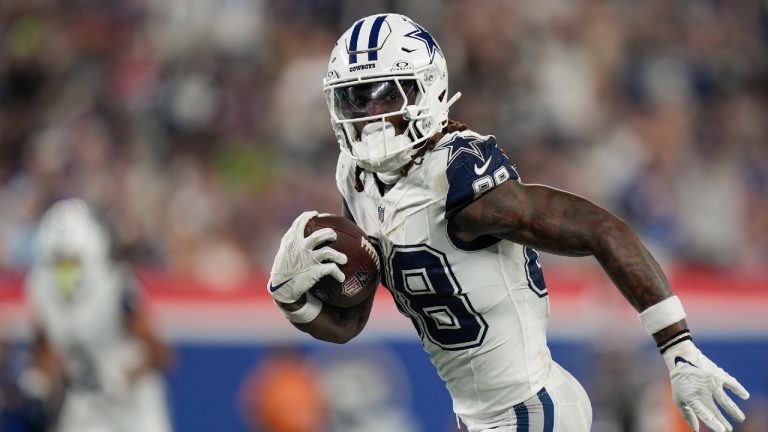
[(476, 166)]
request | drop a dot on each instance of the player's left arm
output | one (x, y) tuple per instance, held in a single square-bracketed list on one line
[(157, 354), (561, 223), (565, 224)]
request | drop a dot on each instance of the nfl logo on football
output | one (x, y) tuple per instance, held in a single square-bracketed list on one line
[(354, 284)]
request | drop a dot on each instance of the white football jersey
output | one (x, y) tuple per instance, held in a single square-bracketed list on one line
[(480, 307), (88, 332)]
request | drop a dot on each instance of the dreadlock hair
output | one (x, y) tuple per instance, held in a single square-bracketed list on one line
[(418, 158)]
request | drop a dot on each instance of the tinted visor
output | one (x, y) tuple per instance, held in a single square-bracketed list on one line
[(373, 98)]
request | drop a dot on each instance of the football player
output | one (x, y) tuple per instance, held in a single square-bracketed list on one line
[(458, 232), (90, 331)]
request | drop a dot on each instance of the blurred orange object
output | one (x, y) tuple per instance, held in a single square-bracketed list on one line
[(283, 394)]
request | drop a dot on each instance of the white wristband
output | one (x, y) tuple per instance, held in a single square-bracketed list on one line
[(662, 315), (306, 313)]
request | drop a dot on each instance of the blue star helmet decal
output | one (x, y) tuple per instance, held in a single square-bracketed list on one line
[(423, 35)]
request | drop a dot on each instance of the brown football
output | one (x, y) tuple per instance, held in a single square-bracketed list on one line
[(362, 267)]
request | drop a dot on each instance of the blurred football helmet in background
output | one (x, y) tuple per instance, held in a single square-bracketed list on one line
[(383, 69), (69, 241)]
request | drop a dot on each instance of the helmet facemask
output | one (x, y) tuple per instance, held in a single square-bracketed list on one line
[(372, 120), (381, 121)]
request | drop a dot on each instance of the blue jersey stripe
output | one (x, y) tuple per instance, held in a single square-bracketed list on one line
[(373, 38), (353, 41), (521, 417), (549, 410), (534, 272)]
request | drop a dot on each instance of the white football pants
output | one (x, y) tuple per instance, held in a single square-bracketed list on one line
[(142, 409), (561, 406)]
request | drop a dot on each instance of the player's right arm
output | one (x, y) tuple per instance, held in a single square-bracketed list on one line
[(333, 324), (44, 376), (43, 357), (298, 266)]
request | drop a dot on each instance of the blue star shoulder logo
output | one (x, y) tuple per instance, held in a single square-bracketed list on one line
[(423, 35), (458, 145)]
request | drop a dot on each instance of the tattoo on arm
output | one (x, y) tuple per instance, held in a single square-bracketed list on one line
[(565, 224)]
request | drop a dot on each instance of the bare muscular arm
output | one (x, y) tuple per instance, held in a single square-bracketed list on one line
[(44, 358), (158, 355), (561, 223), (334, 324)]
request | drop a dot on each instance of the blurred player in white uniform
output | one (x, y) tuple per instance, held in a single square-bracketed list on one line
[(456, 229), (91, 334)]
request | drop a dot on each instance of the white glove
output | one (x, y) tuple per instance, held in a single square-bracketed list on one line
[(298, 266), (697, 383)]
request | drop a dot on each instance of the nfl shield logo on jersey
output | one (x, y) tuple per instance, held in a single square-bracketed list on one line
[(381, 213)]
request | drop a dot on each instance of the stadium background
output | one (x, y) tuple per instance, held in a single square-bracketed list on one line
[(199, 130)]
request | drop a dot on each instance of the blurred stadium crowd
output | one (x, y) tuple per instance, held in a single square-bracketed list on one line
[(199, 127)]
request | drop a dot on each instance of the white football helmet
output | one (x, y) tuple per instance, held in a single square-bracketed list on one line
[(70, 240), (383, 66)]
